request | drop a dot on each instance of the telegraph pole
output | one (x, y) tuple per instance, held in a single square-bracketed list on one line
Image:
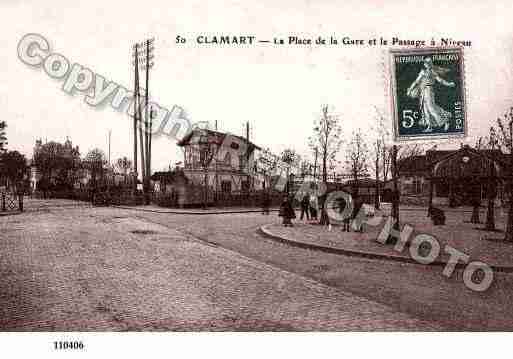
[(248, 169), (136, 91), (215, 170), (139, 118), (146, 125), (144, 58)]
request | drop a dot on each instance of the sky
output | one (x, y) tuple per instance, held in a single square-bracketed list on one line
[(278, 89)]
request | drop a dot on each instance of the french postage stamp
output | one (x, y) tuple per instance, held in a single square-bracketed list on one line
[(428, 93)]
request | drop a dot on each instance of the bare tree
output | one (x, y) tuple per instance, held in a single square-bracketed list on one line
[(504, 133), (492, 182), (326, 140), (356, 158), (291, 158), (266, 164), (381, 156), (386, 161), (475, 190)]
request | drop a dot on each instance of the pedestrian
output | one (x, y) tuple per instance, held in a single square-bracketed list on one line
[(357, 223), (305, 203), (287, 212), (266, 203), (314, 207), (346, 220)]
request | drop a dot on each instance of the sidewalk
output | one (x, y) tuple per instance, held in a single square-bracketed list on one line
[(457, 233), (197, 211)]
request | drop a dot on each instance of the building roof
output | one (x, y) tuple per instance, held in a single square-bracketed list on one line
[(169, 176), (363, 182), (446, 162), (414, 164), (215, 137)]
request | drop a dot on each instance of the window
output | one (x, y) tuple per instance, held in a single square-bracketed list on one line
[(245, 186), (228, 159), (226, 186), (417, 185)]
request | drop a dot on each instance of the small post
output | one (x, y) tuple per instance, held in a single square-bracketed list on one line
[(395, 199), (395, 213), (20, 201), (431, 190)]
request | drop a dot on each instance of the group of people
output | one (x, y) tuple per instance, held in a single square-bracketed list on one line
[(310, 208)]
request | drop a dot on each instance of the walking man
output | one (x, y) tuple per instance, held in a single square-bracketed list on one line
[(305, 204)]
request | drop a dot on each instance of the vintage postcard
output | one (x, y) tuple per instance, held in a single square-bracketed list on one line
[(172, 166)]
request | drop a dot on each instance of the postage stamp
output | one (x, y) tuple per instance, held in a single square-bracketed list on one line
[(428, 93)]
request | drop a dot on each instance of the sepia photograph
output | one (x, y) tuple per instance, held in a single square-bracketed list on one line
[(235, 178)]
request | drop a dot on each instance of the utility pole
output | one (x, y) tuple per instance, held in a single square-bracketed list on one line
[(144, 58), (248, 169), (216, 180), (139, 119), (136, 91), (147, 126)]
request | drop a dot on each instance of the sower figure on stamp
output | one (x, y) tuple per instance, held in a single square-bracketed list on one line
[(423, 88), (287, 212)]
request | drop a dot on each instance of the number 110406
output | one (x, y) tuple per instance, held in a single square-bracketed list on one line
[(65, 345)]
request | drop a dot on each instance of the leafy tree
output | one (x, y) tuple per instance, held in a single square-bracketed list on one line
[(3, 136), (58, 164), (13, 165), (124, 165), (95, 161)]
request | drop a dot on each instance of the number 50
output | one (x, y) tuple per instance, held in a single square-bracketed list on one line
[(409, 118)]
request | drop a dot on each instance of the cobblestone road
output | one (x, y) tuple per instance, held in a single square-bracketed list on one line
[(74, 269), (421, 291)]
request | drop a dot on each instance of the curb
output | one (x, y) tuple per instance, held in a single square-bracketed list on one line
[(194, 213), (264, 230)]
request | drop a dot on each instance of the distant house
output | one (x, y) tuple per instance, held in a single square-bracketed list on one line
[(224, 161), (217, 168), (36, 174)]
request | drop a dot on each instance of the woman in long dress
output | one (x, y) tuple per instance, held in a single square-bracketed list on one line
[(422, 88)]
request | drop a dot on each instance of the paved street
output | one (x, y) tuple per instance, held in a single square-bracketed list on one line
[(66, 267)]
